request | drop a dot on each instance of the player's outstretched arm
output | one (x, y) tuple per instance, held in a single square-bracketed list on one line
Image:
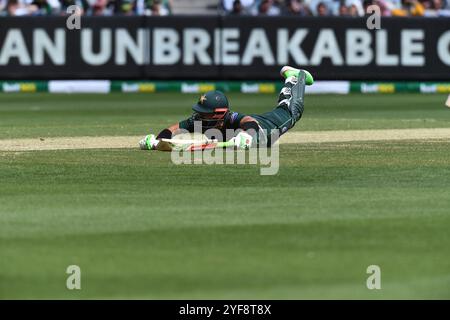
[(250, 135), (150, 142), (168, 132)]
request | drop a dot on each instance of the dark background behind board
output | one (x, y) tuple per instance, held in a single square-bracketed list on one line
[(76, 67)]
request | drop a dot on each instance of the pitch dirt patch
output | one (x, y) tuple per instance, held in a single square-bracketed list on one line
[(365, 135), (68, 143), (110, 142)]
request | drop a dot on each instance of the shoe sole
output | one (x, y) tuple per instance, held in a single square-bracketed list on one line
[(286, 68)]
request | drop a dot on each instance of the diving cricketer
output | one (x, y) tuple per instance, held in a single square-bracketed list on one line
[(213, 111)]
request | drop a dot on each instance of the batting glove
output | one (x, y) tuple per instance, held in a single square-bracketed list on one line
[(243, 140), (149, 142)]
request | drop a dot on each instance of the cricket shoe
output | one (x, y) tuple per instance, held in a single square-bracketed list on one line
[(288, 71)]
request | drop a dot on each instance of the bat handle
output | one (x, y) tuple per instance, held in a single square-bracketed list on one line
[(226, 144)]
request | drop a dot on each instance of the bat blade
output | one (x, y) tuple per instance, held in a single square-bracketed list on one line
[(188, 141), (208, 146), (191, 145), (201, 147)]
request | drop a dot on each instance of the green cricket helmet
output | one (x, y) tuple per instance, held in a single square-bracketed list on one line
[(211, 109)]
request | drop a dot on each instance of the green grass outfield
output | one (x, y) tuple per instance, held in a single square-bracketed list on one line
[(141, 227)]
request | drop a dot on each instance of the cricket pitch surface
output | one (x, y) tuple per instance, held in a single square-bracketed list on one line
[(121, 142)]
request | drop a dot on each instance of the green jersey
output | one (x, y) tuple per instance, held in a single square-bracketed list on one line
[(278, 120), (232, 121)]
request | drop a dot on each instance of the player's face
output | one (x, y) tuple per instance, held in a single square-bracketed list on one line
[(211, 120)]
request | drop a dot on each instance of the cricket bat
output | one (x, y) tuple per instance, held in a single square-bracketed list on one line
[(447, 103), (192, 145)]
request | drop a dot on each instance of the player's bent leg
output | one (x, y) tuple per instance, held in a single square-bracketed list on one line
[(292, 94), (297, 105)]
